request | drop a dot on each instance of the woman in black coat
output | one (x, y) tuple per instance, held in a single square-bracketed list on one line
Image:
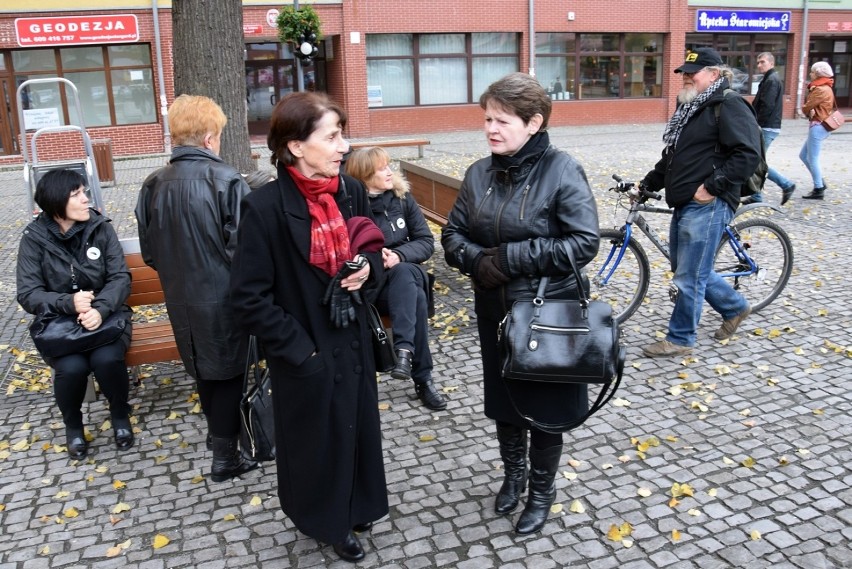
[(522, 214), (406, 290), (292, 289), (70, 262)]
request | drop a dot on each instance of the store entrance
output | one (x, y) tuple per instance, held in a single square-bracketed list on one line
[(8, 116), (832, 51), (266, 82)]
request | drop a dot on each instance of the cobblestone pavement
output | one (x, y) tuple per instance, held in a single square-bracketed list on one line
[(758, 430)]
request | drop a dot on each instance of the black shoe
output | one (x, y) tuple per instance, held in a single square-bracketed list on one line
[(787, 193), (123, 434), (430, 396), (816, 194), (75, 440), (209, 441), (349, 549), (543, 466), (228, 462), (361, 528), (402, 369), (751, 199)]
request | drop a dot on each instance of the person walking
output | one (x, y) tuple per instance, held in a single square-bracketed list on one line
[(297, 280), (406, 290), (522, 214), (768, 104), (703, 186), (187, 215), (818, 105)]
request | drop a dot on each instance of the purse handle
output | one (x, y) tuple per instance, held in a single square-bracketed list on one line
[(581, 290), (252, 359)]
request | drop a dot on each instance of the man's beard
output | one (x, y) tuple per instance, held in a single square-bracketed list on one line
[(687, 95)]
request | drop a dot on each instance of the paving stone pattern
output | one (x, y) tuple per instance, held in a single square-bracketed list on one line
[(759, 429)]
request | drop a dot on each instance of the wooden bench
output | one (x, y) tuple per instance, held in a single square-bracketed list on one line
[(152, 342), (418, 142), (434, 192)]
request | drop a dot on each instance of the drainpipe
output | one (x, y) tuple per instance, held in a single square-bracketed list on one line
[(532, 37), (164, 108), (803, 60), (300, 78)]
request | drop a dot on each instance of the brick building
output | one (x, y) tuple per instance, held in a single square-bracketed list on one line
[(409, 67)]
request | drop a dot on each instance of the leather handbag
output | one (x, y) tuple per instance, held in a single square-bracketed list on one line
[(562, 341), (835, 120), (257, 419), (383, 351), (57, 335)]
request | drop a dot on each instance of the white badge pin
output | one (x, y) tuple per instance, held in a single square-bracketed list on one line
[(400, 223), (93, 253)]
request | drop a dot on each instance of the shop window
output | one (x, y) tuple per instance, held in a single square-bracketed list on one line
[(598, 66), (740, 51), (115, 83), (436, 69)]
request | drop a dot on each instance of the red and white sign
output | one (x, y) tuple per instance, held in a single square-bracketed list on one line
[(77, 30), (272, 17), (252, 30)]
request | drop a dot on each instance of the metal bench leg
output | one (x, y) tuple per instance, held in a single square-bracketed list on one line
[(420, 151)]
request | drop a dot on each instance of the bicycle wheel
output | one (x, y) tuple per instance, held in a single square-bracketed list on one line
[(627, 286), (769, 248)]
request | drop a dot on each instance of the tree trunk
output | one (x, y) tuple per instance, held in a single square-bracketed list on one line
[(208, 60)]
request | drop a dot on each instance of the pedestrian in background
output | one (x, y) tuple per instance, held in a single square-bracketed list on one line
[(818, 105), (71, 262), (292, 289), (522, 214), (406, 290), (768, 104), (187, 215), (703, 186)]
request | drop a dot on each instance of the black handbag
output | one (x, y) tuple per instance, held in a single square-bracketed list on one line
[(383, 351), (58, 335), (562, 341), (257, 420)]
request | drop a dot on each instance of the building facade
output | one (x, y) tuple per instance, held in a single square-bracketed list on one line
[(404, 68)]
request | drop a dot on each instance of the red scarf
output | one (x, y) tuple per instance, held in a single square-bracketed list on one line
[(329, 236)]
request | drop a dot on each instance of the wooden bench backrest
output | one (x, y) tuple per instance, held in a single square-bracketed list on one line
[(145, 286)]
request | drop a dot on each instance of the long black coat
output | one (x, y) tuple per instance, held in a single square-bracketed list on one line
[(187, 216), (328, 438)]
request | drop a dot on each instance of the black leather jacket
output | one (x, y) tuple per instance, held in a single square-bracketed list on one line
[(541, 213), (768, 103)]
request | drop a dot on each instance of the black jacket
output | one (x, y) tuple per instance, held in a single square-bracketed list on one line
[(768, 103), (405, 228), (328, 436), (541, 213), (187, 217), (50, 263), (722, 155)]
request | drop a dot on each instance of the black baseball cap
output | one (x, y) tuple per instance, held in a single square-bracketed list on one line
[(699, 59)]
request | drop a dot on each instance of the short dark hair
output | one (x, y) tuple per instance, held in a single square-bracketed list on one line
[(54, 189), (295, 117), (522, 95)]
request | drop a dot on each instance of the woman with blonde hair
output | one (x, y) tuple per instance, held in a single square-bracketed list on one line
[(818, 105), (405, 292)]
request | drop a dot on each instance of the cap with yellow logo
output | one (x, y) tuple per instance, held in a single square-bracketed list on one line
[(699, 59)]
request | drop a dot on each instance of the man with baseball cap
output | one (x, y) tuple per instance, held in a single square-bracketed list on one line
[(704, 163)]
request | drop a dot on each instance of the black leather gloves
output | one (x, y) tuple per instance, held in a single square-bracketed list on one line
[(341, 301), (488, 272)]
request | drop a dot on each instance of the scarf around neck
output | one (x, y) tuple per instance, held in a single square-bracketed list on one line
[(329, 236), (537, 144), (685, 111)]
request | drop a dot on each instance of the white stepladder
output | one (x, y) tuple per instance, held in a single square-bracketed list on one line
[(35, 169)]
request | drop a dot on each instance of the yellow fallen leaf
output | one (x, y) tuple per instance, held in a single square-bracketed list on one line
[(774, 333), (555, 508), (229, 517), (671, 438), (803, 451), (675, 535), (196, 479), (23, 444), (819, 412), (676, 390), (618, 402), (124, 544), (628, 543), (624, 458), (727, 460), (196, 408), (44, 550), (101, 469), (783, 461), (450, 388), (673, 502), (693, 512), (644, 492), (748, 462), (606, 466), (679, 490), (745, 412), (574, 463), (614, 534), (426, 438), (577, 507), (113, 551), (61, 494), (120, 507), (569, 475), (118, 484), (683, 375), (755, 535), (712, 492), (71, 512), (255, 501), (384, 406), (160, 541), (106, 425)]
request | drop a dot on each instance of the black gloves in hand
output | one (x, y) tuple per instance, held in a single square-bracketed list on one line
[(488, 272), (340, 301)]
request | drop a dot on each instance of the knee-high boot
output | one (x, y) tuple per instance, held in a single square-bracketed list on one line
[(513, 451), (227, 460), (543, 466)]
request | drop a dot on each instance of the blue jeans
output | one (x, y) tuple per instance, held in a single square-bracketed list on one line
[(810, 153), (774, 175), (694, 234)]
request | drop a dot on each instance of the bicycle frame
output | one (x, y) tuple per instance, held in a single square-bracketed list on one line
[(635, 217)]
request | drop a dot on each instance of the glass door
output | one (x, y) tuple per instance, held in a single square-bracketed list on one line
[(266, 82), (8, 113)]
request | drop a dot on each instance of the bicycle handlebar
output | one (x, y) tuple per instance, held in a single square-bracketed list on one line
[(634, 190)]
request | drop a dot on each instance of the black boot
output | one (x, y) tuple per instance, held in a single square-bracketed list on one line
[(228, 462), (123, 433), (543, 466), (75, 442), (816, 194), (513, 451), (402, 369), (209, 440)]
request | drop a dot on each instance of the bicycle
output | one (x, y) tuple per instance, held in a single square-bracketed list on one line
[(755, 253)]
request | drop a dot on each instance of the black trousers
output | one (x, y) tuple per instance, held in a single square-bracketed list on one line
[(220, 402), (71, 378), (403, 298)]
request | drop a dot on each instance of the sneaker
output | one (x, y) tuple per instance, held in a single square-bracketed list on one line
[(730, 325), (429, 396), (787, 193), (664, 349)]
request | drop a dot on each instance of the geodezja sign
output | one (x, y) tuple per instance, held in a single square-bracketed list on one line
[(739, 21)]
